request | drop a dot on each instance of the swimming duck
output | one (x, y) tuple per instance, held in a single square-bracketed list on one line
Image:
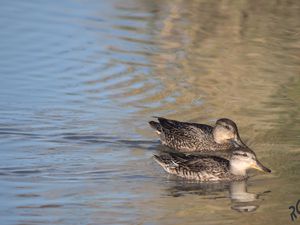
[(190, 137), (211, 168)]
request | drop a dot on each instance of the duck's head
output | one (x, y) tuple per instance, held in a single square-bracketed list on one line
[(226, 131), (244, 159)]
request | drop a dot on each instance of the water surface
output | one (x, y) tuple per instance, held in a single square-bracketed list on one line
[(80, 80)]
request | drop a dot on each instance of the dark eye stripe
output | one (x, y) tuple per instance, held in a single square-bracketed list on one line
[(227, 127), (241, 154)]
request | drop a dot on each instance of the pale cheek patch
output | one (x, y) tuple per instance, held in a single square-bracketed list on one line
[(223, 135)]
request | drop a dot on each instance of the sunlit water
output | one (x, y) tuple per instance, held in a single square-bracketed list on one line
[(80, 80)]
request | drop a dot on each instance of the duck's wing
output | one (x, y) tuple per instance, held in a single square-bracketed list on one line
[(183, 129), (210, 164), (184, 136), (198, 163), (194, 167)]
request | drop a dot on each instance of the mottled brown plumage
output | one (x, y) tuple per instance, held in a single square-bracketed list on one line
[(189, 137), (210, 168)]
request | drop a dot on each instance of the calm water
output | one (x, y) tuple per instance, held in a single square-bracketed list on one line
[(80, 80)]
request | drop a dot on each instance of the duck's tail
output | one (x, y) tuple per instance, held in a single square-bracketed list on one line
[(156, 126), (166, 162), (160, 160)]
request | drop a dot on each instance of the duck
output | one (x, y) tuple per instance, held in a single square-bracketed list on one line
[(195, 137), (211, 168)]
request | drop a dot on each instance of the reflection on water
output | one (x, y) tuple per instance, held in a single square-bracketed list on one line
[(80, 80), (241, 200)]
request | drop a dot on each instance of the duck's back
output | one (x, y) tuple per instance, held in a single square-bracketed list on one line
[(201, 168), (187, 137)]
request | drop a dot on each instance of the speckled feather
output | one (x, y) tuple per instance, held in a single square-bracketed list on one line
[(187, 137), (200, 168)]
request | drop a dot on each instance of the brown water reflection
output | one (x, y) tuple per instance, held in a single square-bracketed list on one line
[(222, 54), (238, 60)]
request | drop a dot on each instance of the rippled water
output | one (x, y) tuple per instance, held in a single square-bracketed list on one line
[(80, 80)]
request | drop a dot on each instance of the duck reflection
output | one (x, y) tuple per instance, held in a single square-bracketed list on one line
[(241, 199)]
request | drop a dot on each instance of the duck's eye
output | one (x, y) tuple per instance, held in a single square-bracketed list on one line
[(227, 127), (241, 154)]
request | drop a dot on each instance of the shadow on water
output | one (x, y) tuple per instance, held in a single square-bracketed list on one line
[(78, 138)]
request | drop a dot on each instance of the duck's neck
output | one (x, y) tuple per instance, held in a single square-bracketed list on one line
[(237, 169)]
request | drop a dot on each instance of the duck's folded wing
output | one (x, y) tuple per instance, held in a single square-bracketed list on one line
[(183, 129), (200, 163), (210, 164)]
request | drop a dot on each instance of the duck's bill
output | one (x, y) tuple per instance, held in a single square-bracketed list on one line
[(261, 167)]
